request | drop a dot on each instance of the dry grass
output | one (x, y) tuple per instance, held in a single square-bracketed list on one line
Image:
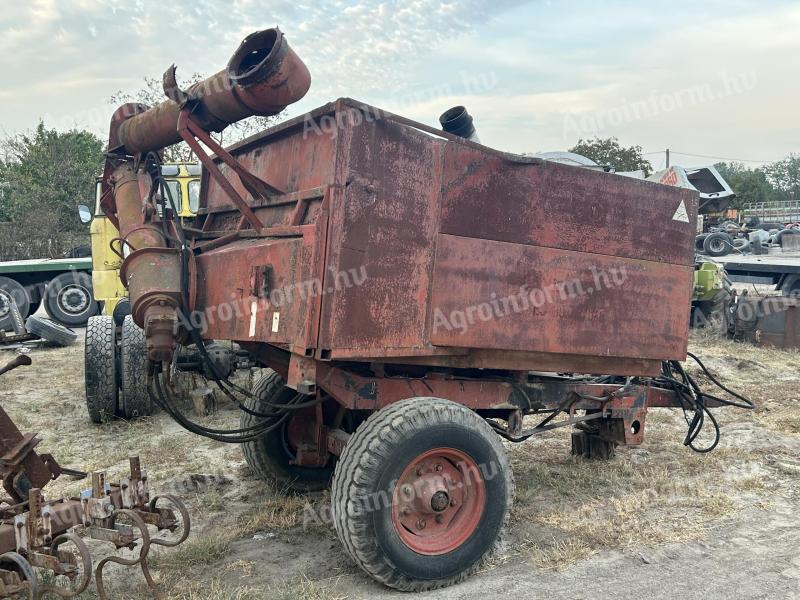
[(569, 509)]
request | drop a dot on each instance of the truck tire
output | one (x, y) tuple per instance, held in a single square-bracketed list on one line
[(717, 244), (421, 494), (51, 331), (133, 371), (741, 244), (101, 368), (68, 299), (10, 289), (269, 457)]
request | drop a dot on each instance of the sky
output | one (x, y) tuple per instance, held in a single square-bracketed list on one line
[(718, 79)]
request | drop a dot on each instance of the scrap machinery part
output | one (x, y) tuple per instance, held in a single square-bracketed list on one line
[(35, 532), (262, 77), (303, 253)]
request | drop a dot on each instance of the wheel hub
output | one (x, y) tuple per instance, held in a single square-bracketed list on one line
[(438, 501), (74, 299)]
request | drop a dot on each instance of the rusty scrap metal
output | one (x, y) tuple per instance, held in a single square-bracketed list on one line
[(34, 531), (263, 77), (765, 320)]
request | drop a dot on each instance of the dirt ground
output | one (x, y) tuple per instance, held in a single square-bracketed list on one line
[(657, 521)]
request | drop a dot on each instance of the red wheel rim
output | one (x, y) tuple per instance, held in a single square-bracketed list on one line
[(438, 501)]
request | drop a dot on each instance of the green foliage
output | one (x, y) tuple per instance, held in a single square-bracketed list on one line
[(49, 172), (608, 151), (749, 185), (784, 175)]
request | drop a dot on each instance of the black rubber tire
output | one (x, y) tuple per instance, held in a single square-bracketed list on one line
[(377, 453), (269, 457), (741, 244), (135, 399), (22, 298), (717, 244), (100, 367), (57, 297), (51, 331), (698, 241)]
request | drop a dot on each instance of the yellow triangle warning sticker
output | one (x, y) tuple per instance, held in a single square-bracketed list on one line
[(680, 213)]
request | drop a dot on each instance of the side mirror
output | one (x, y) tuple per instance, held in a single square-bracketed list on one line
[(85, 214)]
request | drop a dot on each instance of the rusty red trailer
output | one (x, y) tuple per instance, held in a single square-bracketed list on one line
[(413, 294)]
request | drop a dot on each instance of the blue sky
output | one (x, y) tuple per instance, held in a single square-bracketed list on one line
[(713, 78)]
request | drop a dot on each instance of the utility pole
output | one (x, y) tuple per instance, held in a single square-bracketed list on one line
[(668, 158)]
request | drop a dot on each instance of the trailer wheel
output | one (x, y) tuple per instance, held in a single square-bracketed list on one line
[(421, 494), (12, 290), (68, 299), (101, 368), (270, 456), (133, 371)]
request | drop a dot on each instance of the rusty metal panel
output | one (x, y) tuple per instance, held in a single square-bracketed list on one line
[(561, 206), (258, 290), (382, 230), (396, 192), (489, 294)]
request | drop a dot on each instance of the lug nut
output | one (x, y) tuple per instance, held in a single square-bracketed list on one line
[(440, 519), (420, 471), (438, 467), (421, 524), (453, 502), (406, 511)]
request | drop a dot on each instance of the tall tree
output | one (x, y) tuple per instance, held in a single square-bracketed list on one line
[(785, 176), (749, 185), (153, 93), (49, 172), (608, 151)]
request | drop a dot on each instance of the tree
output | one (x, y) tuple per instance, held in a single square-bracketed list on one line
[(784, 175), (749, 185), (608, 151), (153, 93), (49, 172)]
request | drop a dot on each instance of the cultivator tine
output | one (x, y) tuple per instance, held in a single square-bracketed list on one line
[(120, 514), (165, 514), (61, 563), (11, 582), (141, 560)]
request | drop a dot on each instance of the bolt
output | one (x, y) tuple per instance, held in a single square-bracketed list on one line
[(421, 524), (440, 519), (453, 502), (406, 511), (20, 525), (407, 490), (420, 471), (438, 467)]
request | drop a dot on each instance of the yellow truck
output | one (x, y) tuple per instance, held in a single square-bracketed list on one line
[(183, 180), (115, 375)]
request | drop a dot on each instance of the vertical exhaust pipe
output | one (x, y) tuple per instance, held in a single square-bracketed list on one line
[(459, 122)]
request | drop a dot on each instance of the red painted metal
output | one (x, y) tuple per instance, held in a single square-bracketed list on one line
[(402, 211), (438, 501)]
